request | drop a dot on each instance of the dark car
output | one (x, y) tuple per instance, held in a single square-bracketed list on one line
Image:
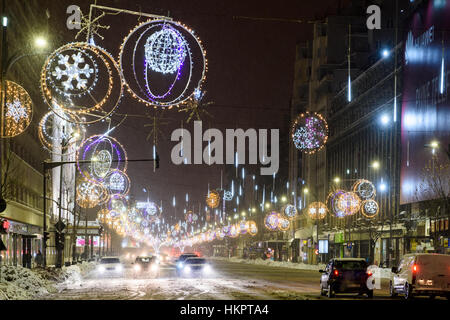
[(195, 266), (182, 258), (145, 265), (346, 275)]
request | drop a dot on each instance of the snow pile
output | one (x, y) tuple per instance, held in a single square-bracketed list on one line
[(281, 264), (18, 283), (74, 273)]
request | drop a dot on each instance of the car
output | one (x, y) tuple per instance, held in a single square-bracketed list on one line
[(180, 261), (421, 274), (146, 265), (195, 266), (346, 275), (110, 266)]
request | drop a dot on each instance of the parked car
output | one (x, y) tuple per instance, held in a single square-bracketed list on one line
[(110, 266), (195, 267), (421, 274), (346, 275)]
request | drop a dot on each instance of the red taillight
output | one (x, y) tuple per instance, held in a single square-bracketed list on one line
[(369, 273), (414, 268), (336, 273)]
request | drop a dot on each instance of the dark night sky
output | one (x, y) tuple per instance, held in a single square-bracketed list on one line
[(250, 75)]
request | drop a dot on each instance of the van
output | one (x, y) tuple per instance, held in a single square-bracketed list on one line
[(421, 274)]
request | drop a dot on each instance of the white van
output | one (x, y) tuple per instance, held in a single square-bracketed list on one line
[(421, 274)]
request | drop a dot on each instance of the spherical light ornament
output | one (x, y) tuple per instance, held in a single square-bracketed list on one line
[(365, 189), (283, 224), (317, 210), (290, 211), (227, 195), (234, 230), (243, 227), (309, 132), (83, 79), (118, 204), (174, 63), (252, 228), (332, 202), (117, 182), (369, 208), (90, 194), (194, 217), (271, 221), (17, 110), (213, 199), (349, 203)]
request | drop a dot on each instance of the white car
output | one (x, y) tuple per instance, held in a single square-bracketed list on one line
[(110, 266), (195, 267), (421, 274)]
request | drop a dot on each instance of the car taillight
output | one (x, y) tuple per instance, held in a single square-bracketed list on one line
[(414, 268), (369, 273), (336, 273)]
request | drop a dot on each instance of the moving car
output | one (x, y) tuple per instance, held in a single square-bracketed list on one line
[(346, 275), (195, 267), (421, 274), (146, 265), (110, 266), (180, 261)]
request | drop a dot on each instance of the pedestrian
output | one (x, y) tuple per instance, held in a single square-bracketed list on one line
[(38, 259)]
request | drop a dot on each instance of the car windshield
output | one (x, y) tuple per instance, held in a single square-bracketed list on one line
[(195, 261), (350, 265), (187, 257), (109, 260), (146, 259)]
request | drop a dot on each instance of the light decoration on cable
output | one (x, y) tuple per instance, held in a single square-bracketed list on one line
[(102, 154), (317, 210), (18, 110), (84, 79), (117, 182), (369, 208), (227, 195), (349, 203), (271, 221), (233, 231), (59, 136), (117, 205), (168, 49), (243, 227), (213, 199), (332, 201), (252, 228), (309, 132), (90, 194), (283, 224), (364, 189), (290, 211)]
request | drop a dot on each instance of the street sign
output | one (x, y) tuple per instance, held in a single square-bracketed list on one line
[(60, 226)]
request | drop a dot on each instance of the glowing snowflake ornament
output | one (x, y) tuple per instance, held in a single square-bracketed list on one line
[(309, 132), (369, 208), (165, 51), (16, 111), (72, 71)]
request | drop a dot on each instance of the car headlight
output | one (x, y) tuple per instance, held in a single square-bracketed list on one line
[(119, 268), (154, 267), (207, 269), (137, 267), (101, 269), (187, 269), (180, 265)]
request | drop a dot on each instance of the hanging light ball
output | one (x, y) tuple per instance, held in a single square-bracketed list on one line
[(332, 202), (309, 132), (365, 189), (349, 203), (17, 110), (283, 224), (369, 208), (213, 199), (227, 195), (90, 194), (252, 228), (317, 210), (290, 211), (271, 221)]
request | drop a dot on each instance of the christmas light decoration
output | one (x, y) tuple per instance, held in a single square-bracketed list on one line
[(364, 189), (290, 211), (271, 221), (252, 228), (317, 210), (84, 79), (309, 132), (90, 194), (18, 110), (227, 195), (332, 203), (349, 203), (168, 76), (213, 199), (369, 208), (283, 224), (117, 182)]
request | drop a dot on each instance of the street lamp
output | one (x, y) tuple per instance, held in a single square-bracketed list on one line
[(305, 191), (337, 180), (40, 42), (267, 205), (5, 21), (375, 165), (382, 186), (283, 199)]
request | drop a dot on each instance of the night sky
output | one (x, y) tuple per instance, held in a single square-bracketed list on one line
[(249, 79)]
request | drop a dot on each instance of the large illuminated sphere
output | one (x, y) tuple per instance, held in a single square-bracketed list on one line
[(60, 136), (271, 221), (234, 231), (369, 208), (309, 132), (90, 194), (83, 79), (163, 63), (290, 211), (213, 199), (98, 155), (165, 50), (252, 228), (118, 205), (117, 182), (365, 189), (317, 210), (243, 227), (332, 202), (17, 110), (349, 203), (283, 224)]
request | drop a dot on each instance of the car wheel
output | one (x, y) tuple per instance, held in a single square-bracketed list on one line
[(322, 292), (392, 292), (408, 291), (370, 294), (330, 293)]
